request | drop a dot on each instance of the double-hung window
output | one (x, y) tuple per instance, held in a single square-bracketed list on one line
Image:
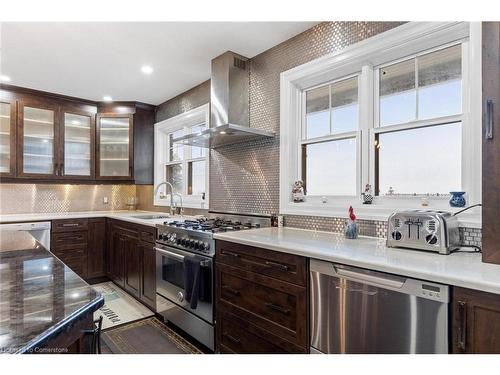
[(184, 166), (400, 112), (330, 138), (418, 127)]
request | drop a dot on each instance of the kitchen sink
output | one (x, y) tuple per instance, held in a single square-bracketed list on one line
[(150, 217)]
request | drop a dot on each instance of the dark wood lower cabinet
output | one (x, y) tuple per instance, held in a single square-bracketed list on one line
[(475, 322), (131, 260), (257, 313), (96, 248), (99, 247)]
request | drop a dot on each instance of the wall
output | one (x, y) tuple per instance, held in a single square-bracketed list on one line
[(41, 198)]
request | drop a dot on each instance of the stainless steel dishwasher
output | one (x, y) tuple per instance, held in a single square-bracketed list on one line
[(354, 310)]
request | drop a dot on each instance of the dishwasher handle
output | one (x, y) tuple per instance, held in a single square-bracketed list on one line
[(372, 277)]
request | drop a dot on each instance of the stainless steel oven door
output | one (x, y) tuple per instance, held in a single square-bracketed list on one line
[(170, 281)]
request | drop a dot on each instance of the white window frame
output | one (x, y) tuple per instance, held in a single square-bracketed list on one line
[(364, 58), (162, 130)]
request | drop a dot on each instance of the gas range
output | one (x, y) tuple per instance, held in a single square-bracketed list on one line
[(196, 235)]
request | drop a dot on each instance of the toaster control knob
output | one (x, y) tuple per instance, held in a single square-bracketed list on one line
[(431, 239), (396, 235)]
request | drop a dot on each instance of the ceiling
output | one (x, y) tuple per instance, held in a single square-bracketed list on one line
[(90, 60)]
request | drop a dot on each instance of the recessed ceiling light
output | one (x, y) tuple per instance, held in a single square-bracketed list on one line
[(107, 98), (146, 69), (4, 78)]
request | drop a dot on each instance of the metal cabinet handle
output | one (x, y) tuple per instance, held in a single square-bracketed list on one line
[(278, 308), (70, 225), (231, 290), (489, 119), (462, 328), (281, 266), (231, 338), (224, 252)]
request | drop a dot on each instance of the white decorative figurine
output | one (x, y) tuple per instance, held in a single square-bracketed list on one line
[(298, 192), (367, 194)]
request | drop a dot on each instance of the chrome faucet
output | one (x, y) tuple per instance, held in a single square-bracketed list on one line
[(181, 210), (172, 208)]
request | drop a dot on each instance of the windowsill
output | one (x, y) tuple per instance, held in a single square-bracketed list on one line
[(202, 205), (375, 211)]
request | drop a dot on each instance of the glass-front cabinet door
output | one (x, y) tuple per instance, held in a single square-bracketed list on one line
[(77, 138), (7, 138), (37, 139), (114, 146)]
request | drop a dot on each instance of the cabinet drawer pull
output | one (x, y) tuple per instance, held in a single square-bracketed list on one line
[(283, 267), (231, 338), (462, 329), (278, 308), (70, 225), (230, 253), (231, 290), (489, 119)]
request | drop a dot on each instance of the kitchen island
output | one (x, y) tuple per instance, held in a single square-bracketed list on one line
[(44, 305)]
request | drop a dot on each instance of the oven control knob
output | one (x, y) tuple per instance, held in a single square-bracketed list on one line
[(173, 238), (198, 245), (191, 243), (180, 296), (179, 241)]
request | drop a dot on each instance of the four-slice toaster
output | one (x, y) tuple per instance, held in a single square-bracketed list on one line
[(435, 231)]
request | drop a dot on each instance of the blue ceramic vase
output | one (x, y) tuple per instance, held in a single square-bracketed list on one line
[(457, 199), (351, 229)]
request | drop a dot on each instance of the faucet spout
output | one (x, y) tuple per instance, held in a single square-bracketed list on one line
[(166, 183)]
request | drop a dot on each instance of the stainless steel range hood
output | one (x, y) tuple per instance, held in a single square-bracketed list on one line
[(229, 97)]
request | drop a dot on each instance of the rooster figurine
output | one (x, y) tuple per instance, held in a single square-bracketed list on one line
[(351, 226)]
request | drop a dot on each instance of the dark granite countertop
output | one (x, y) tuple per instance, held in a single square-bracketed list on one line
[(39, 295)]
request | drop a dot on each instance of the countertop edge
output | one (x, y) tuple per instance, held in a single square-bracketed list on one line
[(423, 275), (46, 335)]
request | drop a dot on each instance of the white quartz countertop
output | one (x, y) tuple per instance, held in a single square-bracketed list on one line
[(120, 215), (460, 269)]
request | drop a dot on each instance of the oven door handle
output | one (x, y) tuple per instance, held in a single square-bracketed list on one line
[(170, 254)]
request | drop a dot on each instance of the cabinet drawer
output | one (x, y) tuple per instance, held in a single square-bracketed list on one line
[(286, 267), (75, 251), (237, 336), (273, 305), (68, 239), (69, 225), (147, 236)]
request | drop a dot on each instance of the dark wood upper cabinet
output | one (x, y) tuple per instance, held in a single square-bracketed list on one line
[(38, 138), (475, 322), (54, 138), (115, 146), (77, 142), (7, 136), (491, 142)]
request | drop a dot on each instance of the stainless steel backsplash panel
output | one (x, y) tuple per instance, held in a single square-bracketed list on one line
[(42, 198)]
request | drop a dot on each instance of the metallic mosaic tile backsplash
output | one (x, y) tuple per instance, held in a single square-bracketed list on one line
[(245, 178), (40, 198), (373, 228)]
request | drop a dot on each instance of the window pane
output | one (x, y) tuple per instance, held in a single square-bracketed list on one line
[(330, 167), (317, 112), (421, 161), (173, 174), (398, 99), (176, 151), (198, 152), (440, 83), (196, 177), (345, 105)]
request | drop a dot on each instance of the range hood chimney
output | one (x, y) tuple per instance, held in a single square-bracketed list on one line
[(229, 113)]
